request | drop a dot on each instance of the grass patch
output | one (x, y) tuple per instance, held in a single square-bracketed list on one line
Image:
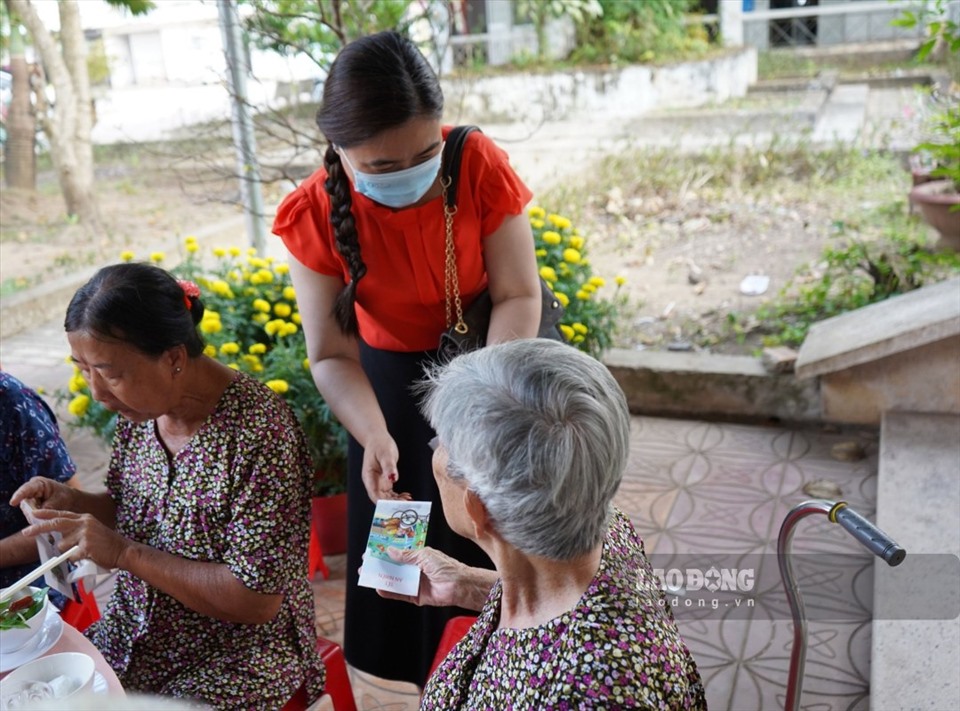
[(882, 254)]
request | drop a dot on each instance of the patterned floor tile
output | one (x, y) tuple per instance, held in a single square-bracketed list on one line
[(702, 492)]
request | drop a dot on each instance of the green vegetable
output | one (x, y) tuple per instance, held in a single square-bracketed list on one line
[(15, 613)]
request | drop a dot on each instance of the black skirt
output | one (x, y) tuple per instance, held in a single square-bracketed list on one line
[(386, 638)]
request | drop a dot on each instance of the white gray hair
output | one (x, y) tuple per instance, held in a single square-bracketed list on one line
[(540, 432)]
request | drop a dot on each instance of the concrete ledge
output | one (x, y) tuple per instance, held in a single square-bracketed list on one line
[(901, 323), (923, 379), (711, 387), (47, 301)]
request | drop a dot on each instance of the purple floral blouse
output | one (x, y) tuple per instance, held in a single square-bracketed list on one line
[(617, 649), (238, 493)]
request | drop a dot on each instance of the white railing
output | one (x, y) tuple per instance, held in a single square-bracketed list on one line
[(733, 19)]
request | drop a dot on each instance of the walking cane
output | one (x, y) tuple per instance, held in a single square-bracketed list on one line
[(871, 537)]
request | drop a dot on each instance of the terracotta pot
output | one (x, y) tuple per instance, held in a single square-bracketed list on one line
[(935, 200), (330, 523)]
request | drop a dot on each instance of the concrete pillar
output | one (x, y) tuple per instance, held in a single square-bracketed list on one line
[(731, 22)]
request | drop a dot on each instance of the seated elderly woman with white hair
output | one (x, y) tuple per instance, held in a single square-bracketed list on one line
[(532, 441)]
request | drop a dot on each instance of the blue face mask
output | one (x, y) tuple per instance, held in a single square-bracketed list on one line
[(399, 188)]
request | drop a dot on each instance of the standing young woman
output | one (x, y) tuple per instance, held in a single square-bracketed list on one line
[(366, 239)]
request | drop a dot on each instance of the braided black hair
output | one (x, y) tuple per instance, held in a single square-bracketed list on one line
[(375, 83)]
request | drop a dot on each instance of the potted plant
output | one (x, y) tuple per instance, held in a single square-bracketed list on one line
[(251, 324), (939, 199)]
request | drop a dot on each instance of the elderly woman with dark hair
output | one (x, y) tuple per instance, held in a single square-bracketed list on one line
[(532, 441), (206, 513)]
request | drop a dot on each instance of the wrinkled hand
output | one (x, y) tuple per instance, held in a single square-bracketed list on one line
[(442, 578), (380, 470), (97, 542), (45, 493)]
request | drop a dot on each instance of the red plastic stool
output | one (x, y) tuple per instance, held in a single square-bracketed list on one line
[(316, 561), (453, 632), (81, 614), (338, 680)]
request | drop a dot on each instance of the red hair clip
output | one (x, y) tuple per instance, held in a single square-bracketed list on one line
[(190, 291)]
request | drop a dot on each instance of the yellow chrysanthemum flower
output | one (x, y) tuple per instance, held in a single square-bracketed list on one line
[(621, 280), (258, 262), (282, 310), (306, 364), (537, 224), (567, 332), (576, 242), (562, 298), (583, 295), (251, 361), (79, 405), (551, 237), (221, 288), (126, 255), (536, 212), (258, 348), (157, 257), (219, 252), (260, 318), (296, 318), (261, 305), (234, 251), (274, 326), (288, 329), (561, 223), (548, 273), (266, 276), (251, 251), (278, 386), (189, 239), (597, 281), (192, 247), (580, 328), (282, 268), (571, 255), (578, 339), (589, 288), (77, 383), (230, 348), (255, 278), (211, 326), (235, 366), (289, 293), (541, 253), (210, 350)]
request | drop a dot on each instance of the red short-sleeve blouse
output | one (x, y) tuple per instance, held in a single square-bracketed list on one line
[(400, 300)]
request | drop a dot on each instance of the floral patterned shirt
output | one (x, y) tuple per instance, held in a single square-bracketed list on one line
[(30, 445), (239, 494), (618, 648)]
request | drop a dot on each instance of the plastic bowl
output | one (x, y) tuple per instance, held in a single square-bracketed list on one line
[(14, 639), (72, 671)]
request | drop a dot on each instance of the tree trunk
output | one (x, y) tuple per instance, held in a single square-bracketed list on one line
[(20, 162), (68, 127)]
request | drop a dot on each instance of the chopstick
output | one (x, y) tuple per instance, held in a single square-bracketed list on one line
[(34, 574)]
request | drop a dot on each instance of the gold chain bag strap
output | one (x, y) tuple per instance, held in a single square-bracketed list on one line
[(467, 329)]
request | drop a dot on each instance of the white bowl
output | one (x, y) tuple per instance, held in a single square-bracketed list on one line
[(72, 671), (12, 640)]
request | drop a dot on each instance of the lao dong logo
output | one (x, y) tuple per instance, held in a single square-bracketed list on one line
[(676, 580)]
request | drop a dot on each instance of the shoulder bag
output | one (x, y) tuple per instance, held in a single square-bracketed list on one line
[(469, 329)]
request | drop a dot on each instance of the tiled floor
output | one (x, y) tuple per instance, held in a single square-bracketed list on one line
[(713, 493), (699, 493)]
